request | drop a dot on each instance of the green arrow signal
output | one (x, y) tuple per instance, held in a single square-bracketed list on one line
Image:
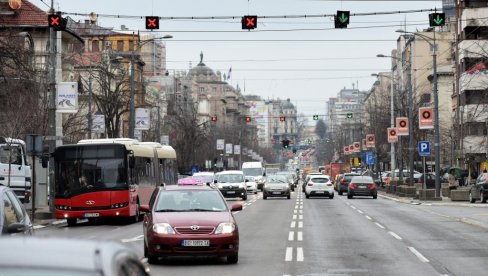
[(343, 18), (438, 20)]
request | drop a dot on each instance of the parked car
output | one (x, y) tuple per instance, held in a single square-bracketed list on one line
[(232, 184), (62, 256), (362, 186), (276, 186), (344, 182), (190, 220), (479, 191), (251, 185), (13, 216), (319, 185)]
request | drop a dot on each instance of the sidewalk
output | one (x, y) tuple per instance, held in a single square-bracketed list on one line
[(474, 214), (42, 217)]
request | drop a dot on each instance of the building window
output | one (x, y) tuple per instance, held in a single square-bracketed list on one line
[(201, 89), (131, 45), (120, 45), (95, 46)]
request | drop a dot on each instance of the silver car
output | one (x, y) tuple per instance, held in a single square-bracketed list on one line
[(251, 185), (276, 186)]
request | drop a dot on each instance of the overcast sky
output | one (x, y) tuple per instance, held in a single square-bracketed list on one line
[(304, 59)]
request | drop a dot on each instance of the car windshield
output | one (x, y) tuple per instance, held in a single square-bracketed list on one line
[(319, 180), (250, 178), (28, 271), (231, 178), (272, 179), (190, 201), (365, 179), (253, 171), (204, 178)]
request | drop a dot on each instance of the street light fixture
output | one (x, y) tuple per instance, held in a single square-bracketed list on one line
[(436, 107), (132, 116)]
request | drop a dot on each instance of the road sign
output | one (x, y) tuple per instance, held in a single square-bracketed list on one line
[(249, 22), (341, 19), (370, 158), (437, 19), (424, 148), (152, 23)]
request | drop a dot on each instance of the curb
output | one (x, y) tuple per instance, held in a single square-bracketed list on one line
[(474, 222), (433, 203)]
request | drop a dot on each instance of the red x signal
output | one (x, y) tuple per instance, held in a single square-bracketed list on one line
[(248, 119), (152, 22), (282, 118), (249, 22), (54, 20), (213, 118)]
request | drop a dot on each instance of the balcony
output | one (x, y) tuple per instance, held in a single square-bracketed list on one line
[(474, 17), (475, 81), (473, 48), (475, 113)]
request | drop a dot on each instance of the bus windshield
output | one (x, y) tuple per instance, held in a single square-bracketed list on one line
[(84, 175), (253, 171)]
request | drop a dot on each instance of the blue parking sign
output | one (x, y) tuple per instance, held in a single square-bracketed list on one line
[(424, 148)]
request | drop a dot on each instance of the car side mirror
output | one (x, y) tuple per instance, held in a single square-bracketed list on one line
[(144, 208), (16, 228), (247, 180), (236, 207), (215, 181)]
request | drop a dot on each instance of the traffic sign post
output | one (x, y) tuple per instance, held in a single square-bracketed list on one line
[(424, 148)]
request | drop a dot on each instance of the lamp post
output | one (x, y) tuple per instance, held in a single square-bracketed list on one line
[(437, 156), (132, 112)]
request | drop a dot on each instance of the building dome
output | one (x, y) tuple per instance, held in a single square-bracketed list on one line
[(201, 69)]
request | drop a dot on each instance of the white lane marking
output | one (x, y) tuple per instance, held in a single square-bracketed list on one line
[(244, 207), (300, 217), (58, 222), (300, 236), (136, 238), (289, 254), (368, 217), (379, 225), (395, 235), (301, 211), (38, 227), (301, 207), (236, 212), (293, 224), (300, 254), (296, 206), (420, 256), (352, 206), (361, 212), (291, 236), (294, 216), (300, 224), (295, 211)]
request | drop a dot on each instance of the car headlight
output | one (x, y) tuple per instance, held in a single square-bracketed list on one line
[(219, 186), (266, 186), (163, 228), (225, 228)]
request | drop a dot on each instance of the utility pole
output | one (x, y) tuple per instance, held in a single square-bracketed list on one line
[(90, 118), (132, 95), (410, 125), (436, 124), (52, 111)]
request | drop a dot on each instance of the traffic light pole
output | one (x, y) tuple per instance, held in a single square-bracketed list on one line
[(52, 112)]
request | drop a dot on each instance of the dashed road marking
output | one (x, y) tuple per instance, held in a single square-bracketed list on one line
[(291, 236), (38, 227), (294, 216), (418, 254), (395, 235), (293, 224), (300, 224), (300, 236), (295, 211), (301, 211), (352, 206), (300, 217), (379, 225), (368, 217), (361, 212), (58, 222), (289, 254), (136, 238), (300, 256)]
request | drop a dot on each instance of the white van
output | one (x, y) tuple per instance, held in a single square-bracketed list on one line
[(232, 184), (256, 170)]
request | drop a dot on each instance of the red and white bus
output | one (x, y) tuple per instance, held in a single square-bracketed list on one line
[(109, 177)]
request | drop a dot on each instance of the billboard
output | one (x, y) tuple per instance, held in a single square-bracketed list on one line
[(67, 97)]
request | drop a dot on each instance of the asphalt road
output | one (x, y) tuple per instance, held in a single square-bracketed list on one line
[(319, 236)]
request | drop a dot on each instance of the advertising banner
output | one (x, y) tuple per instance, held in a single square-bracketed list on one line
[(357, 147), (228, 148), (426, 118), (392, 135), (98, 123), (67, 97), (220, 144), (370, 140), (237, 149), (142, 119), (402, 126)]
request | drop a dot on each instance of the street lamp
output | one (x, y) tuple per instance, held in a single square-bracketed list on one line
[(436, 108), (132, 112)]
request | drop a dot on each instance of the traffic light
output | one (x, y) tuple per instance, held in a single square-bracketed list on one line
[(248, 119), (285, 143), (349, 115), (294, 150), (213, 119), (341, 19), (437, 19), (315, 117), (282, 118), (152, 23), (215, 162), (249, 22), (57, 22)]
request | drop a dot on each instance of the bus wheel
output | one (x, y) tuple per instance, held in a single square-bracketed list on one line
[(71, 221)]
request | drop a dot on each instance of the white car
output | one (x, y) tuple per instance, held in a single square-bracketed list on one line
[(206, 177), (319, 185), (251, 185), (231, 184)]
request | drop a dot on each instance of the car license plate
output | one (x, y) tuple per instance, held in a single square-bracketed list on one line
[(195, 243), (277, 193), (319, 192), (231, 192), (362, 186), (91, 215)]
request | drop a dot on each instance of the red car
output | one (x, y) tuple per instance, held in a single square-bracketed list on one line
[(190, 220)]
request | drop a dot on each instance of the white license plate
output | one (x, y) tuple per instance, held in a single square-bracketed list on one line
[(195, 243), (277, 193), (362, 186), (231, 192), (319, 192), (91, 215)]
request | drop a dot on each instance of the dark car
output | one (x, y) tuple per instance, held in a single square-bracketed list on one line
[(362, 186), (68, 257), (429, 180), (190, 220), (344, 182), (479, 191), (13, 216)]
